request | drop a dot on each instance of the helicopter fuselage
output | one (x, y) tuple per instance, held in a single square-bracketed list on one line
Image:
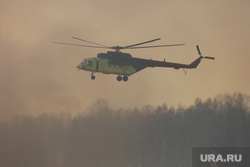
[(123, 64), (117, 63)]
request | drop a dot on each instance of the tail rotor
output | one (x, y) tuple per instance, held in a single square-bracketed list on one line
[(199, 52)]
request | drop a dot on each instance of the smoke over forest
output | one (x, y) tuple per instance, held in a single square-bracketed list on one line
[(103, 137)]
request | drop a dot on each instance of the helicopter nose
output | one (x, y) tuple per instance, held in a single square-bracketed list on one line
[(80, 66)]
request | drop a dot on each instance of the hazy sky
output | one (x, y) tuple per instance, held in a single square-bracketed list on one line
[(37, 76)]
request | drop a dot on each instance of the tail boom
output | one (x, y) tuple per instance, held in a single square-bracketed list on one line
[(194, 64)]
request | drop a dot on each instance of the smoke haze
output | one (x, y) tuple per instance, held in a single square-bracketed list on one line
[(152, 136), (37, 76)]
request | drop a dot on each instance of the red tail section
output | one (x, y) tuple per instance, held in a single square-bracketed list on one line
[(195, 63)]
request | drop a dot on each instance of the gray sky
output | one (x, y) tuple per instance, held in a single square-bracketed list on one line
[(37, 76)]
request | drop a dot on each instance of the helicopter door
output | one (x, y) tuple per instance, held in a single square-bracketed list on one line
[(97, 66)]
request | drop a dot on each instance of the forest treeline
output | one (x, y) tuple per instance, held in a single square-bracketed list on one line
[(103, 137)]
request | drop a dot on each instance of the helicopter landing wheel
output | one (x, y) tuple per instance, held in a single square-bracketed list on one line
[(125, 78), (92, 76), (119, 78)]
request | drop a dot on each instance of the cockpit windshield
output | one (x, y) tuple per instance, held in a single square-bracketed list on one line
[(84, 62), (87, 62)]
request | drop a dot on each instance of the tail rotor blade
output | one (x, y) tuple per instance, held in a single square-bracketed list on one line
[(198, 49), (206, 57)]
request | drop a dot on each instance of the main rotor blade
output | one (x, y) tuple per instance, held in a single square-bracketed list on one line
[(155, 46), (89, 42), (81, 45), (126, 47)]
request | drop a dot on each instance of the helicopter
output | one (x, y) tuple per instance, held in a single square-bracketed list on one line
[(123, 64)]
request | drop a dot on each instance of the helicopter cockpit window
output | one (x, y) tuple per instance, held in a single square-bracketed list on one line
[(84, 62), (87, 62)]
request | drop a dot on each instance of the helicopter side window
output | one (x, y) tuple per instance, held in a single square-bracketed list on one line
[(90, 63)]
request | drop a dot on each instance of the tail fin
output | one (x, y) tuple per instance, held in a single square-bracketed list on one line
[(197, 61)]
